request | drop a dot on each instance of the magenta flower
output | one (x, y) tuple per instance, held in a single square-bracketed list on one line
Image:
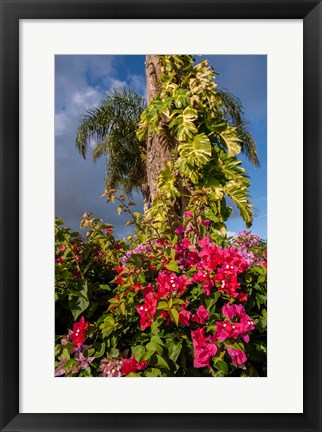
[(147, 310), (131, 365), (231, 310), (184, 317), (168, 283), (238, 357), (205, 279), (223, 330), (203, 350), (179, 230), (201, 315)]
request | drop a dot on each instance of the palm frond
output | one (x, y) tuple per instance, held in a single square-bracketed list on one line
[(112, 127), (233, 112)]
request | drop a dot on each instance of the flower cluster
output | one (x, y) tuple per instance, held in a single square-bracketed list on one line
[(110, 367), (204, 348), (78, 335), (251, 247), (138, 250), (234, 329), (186, 305), (131, 365)]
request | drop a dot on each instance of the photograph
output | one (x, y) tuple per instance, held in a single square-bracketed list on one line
[(161, 216)]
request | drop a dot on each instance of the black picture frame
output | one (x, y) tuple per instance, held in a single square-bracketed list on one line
[(14, 10)]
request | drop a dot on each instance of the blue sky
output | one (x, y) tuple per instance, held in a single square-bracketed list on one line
[(80, 84)]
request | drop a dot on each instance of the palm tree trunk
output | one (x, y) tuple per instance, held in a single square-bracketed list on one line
[(158, 146), (146, 196)]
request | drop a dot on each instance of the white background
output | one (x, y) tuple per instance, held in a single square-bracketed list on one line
[(282, 390)]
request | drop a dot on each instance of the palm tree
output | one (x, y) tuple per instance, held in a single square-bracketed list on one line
[(112, 128), (132, 164)]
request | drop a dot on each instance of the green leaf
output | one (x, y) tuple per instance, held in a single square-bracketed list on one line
[(78, 304), (156, 339), (261, 278), (122, 308), (86, 372), (222, 366), (114, 352), (160, 362), (107, 326), (152, 347), (162, 305), (174, 315), (138, 352), (174, 350), (152, 372), (231, 140), (89, 352), (173, 266), (105, 287), (212, 301), (196, 152), (239, 194), (69, 364), (100, 349), (183, 125), (66, 353)]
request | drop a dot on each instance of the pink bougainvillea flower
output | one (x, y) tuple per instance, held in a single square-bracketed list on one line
[(168, 282), (201, 315), (205, 223), (223, 330), (231, 310), (247, 325), (59, 371), (179, 230), (147, 310), (109, 230), (203, 348), (78, 334), (238, 357), (83, 360), (184, 317), (148, 289), (205, 279), (131, 365), (185, 243), (188, 214), (204, 243)]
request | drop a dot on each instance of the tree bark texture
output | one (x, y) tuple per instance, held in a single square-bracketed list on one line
[(158, 146)]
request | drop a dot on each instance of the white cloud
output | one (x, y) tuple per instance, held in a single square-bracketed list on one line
[(61, 122), (83, 100), (115, 83), (137, 83), (231, 234)]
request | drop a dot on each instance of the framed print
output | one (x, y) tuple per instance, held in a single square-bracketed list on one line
[(162, 323)]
